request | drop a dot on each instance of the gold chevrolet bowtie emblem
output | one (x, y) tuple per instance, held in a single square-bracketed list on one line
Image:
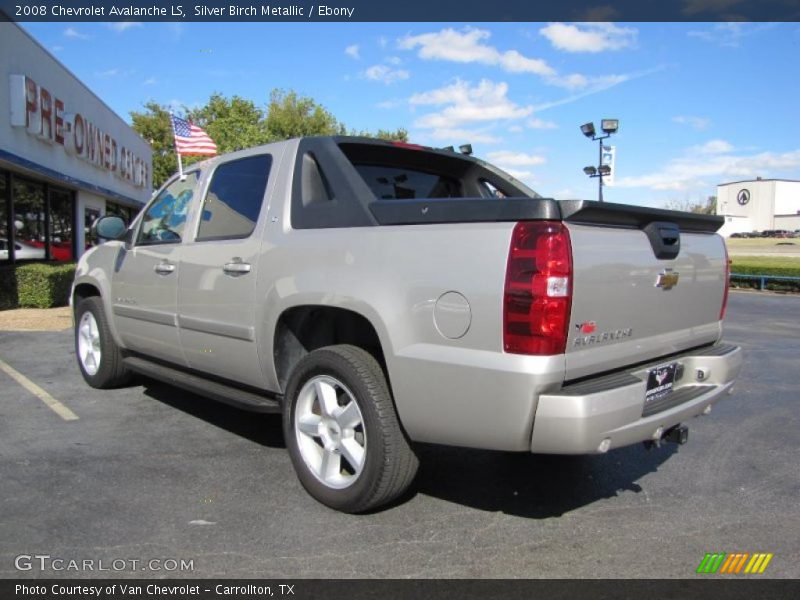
[(667, 279)]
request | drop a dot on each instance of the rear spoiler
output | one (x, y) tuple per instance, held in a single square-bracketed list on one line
[(609, 214), (483, 210)]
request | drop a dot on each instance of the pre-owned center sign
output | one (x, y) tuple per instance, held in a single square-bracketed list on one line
[(44, 115)]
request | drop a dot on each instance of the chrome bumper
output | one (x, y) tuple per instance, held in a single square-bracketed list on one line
[(607, 412)]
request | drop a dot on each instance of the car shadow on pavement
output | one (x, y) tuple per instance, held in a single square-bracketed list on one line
[(526, 485), (533, 486), (263, 429)]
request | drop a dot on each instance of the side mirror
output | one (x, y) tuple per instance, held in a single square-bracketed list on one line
[(110, 228)]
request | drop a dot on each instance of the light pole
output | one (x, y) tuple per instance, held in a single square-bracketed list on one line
[(609, 127)]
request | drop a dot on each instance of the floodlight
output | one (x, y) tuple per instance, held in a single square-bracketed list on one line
[(590, 171), (465, 149), (610, 125), (604, 170), (588, 129)]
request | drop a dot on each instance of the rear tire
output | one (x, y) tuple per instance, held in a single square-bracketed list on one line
[(342, 431), (99, 357)]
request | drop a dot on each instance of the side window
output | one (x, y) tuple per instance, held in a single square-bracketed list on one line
[(165, 218), (234, 198)]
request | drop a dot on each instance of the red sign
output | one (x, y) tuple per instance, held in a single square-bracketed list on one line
[(42, 114)]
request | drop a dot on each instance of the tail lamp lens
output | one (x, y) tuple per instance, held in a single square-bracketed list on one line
[(538, 289), (727, 284)]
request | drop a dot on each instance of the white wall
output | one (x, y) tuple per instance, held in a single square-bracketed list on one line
[(21, 55), (787, 198)]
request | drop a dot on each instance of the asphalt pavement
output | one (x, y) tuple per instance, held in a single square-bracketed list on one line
[(152, 473)]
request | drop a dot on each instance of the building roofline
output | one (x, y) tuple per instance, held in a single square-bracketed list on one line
[(757, 180)]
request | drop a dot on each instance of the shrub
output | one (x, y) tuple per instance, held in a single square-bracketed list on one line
[(776, 266), (8, 288), (42, 285)]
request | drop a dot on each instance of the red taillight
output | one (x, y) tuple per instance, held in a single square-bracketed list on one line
[(538, 292), (408, 146), (727, 285)]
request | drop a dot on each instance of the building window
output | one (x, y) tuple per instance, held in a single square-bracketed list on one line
[(62, 218), (30, 214), (36, 220), (4, 215)]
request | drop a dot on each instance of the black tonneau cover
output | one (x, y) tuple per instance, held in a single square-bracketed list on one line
[(474, 210)]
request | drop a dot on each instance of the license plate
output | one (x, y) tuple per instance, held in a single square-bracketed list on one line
[(660, 382)]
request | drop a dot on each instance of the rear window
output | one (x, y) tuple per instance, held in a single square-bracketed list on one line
[(400, 173), (398, 183)]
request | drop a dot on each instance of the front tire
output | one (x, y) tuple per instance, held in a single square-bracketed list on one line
[(99, 357), (342, 431)]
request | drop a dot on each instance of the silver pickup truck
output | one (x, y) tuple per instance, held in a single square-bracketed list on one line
[(379, 294)]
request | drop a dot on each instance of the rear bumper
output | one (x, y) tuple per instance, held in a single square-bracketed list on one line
[(607, 412)]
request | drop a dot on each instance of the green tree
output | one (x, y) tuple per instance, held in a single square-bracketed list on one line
[(397, 135), (709, 207), (290, 115), (233, 124), (236, 123), (154, 126)]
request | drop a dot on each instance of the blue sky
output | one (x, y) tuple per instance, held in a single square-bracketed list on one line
[(698, 104)]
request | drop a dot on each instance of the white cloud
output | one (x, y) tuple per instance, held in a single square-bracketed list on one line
[(515, 129), (467, 46), (729, 35), (506, 158), (565, 194), (121, 26), (394, 60), (465, 103), (150, 81), (390, 104), (463, 136), (523, 175), (385, 74), (704, 166), (57, 48), (74, 34), (383, 42), (589, 37), (596, 85), (712, 147), (176, 29), (353, 51), (536, 123), (698, 123), (108, 73)]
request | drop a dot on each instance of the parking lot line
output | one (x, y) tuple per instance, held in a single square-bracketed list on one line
[(57, 407)]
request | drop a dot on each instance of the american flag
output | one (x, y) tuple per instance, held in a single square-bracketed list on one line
[(191, 139)]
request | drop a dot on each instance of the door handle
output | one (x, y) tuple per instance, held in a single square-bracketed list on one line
[(236, 267), (164, 268)]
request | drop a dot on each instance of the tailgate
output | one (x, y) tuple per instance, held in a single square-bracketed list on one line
[(629, 306)]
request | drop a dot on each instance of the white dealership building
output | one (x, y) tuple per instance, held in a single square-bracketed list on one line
[(759, 204), (65, 157)]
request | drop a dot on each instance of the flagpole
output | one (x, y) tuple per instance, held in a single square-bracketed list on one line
[(180, 166)]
